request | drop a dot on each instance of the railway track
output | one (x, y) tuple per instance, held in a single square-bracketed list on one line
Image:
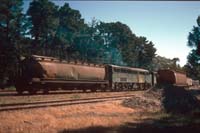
[(63, 102), (14, 93), (57, 92), (7, 90), (14, 99)]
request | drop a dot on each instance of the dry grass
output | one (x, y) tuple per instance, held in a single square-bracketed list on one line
[(54, 119)]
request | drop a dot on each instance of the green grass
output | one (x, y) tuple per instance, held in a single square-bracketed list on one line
[(75, 96), (10, 88)]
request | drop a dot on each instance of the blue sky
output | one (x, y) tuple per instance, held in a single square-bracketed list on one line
[(166, 24)]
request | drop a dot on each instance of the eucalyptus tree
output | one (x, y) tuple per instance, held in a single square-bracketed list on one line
[(193, 63), (116, 36), (11, 26), (69, 28), (44, 19)]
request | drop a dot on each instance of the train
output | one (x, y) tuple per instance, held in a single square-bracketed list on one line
[(48, 73), (44, 73)]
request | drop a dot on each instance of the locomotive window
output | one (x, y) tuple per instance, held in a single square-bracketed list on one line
[(133, 72), (123, 79), (124, 71), (121, 70), (142, 73), (117, 70)]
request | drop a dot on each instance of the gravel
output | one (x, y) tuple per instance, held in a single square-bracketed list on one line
[(170, 99)]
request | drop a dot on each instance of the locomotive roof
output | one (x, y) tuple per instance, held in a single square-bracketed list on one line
[(130, 68)]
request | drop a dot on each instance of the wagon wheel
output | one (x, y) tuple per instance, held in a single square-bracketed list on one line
[(19, 91), (46, 91), (126, 86), (129, 86), (84, 90), (133, 86), (32, 91), (120, 87), (141, 86), (93, 89), (115, 87), (19, 88), (104, 88), (138, 86)]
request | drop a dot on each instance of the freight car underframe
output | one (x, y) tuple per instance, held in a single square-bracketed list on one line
[(119, 86), (46, 85), (51, 84)]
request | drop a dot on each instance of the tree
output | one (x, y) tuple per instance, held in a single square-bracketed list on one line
[(11, 29), (89, 43), (70, 25), (139, 52), (194, 38), (175, 65), (192, 67), (43, 15), (116, 38), (145, 52)]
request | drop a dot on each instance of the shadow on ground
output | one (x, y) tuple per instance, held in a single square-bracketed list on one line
[(178, 100), (195, 91), (169, 124)]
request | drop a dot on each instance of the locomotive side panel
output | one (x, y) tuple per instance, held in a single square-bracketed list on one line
[(141, 77), (148, 79), (124, 76), (130, 78)]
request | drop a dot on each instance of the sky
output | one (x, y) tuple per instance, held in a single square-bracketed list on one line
[(165, 23)]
